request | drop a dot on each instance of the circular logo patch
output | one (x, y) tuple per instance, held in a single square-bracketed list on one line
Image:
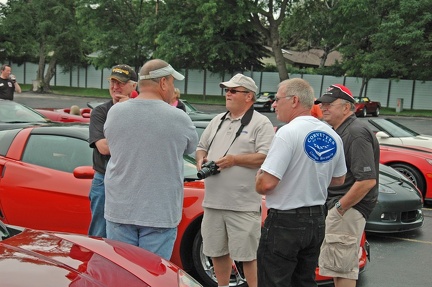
[(320, 146)]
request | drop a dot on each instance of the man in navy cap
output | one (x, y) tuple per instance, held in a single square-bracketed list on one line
[(351, 203)]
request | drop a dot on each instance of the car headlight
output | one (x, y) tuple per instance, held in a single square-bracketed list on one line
[(185, 280)]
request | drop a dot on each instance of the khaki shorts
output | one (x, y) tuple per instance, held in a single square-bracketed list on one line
[(339, 255), (231, 232)]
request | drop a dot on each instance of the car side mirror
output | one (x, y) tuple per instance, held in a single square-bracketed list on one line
[(382, 134), (83, 172)]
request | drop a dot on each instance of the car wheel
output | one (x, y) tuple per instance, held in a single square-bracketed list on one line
[(204, 266), (364, 113), (377, 112), (413, 174)]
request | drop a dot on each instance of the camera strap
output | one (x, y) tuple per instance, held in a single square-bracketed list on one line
[(245, 120)]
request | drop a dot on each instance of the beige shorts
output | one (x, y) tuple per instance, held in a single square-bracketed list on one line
[(339, 255), (231, 232)]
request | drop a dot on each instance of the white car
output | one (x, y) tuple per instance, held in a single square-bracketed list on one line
[(393, 133)]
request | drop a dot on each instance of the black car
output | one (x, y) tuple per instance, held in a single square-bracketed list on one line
[(265, 101)]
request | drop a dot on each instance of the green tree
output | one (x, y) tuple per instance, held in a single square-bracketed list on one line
[(267, 17), (116, 32), (208, 34), (45, 30), (392, 40), (313, 25)]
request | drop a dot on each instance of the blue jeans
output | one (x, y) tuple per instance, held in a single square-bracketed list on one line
[(289, 248), (97, 206), (154, 239)]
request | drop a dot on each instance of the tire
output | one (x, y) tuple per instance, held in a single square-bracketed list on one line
[(377, 112), (413, 174), (204, 266)]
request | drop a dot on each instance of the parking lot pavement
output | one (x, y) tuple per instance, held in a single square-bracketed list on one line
[(400, 259)]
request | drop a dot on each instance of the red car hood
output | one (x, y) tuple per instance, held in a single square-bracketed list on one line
[(36, 258), (60, 116)]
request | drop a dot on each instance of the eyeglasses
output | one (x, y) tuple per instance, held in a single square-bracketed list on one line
[(114, 82), (232, 91), (277, 99)]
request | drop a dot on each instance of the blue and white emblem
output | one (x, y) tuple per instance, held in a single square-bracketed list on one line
[(320, 146)]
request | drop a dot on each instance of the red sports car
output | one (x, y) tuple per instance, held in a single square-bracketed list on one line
[(365, 106), (64, 115), (36, 258), (412, 161), (45, 180)]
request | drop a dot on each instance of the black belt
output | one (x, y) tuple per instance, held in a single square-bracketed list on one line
[(316, 209)]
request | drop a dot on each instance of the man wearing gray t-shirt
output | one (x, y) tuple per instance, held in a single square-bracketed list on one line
[(147, 138)]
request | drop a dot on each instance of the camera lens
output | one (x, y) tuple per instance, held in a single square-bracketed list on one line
[(203, 173)]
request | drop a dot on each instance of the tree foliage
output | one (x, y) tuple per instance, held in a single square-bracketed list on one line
[(386, 38), (216, 35), (45, 30), (117, 31)]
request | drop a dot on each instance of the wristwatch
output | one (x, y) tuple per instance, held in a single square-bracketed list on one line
[(339, 206)]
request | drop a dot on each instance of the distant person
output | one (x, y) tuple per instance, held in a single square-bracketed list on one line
[(237, 143), (176, 100), (147, 139), (306, 156), (122, 82), (8, 83), (316, 111), (75, 110), (351, 203)]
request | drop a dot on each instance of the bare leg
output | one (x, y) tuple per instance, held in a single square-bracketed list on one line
[(250, 271), (222, 266), (344, 282)]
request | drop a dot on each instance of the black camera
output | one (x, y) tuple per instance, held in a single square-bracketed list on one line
[(207, 169)]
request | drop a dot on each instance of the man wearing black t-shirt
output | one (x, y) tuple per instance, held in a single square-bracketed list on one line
[(123, 81), (8, 83)]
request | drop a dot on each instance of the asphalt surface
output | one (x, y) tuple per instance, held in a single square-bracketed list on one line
[(397, 260)]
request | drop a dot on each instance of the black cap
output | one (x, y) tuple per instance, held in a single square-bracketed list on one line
[(123, 73), (336, 91)]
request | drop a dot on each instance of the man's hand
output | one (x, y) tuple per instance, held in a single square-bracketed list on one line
[(226, 162), (12, 78)]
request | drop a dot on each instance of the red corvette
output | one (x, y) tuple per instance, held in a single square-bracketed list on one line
[(64, 115), (45, 180), (52, 259), (412, 161), (365, 106)]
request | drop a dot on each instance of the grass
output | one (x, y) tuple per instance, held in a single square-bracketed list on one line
[(200, 99)]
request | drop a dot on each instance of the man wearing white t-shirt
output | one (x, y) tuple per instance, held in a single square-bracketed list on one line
[(306, 156)]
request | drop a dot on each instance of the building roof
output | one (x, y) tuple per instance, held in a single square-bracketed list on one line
[(310, 58)]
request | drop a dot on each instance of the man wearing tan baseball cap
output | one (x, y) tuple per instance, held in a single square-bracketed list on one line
[(237, 142)]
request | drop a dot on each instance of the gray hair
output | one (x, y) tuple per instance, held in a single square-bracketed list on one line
[(352, 105), (300, 88)]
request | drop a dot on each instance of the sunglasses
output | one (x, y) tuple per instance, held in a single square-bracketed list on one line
[(232, 91)]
